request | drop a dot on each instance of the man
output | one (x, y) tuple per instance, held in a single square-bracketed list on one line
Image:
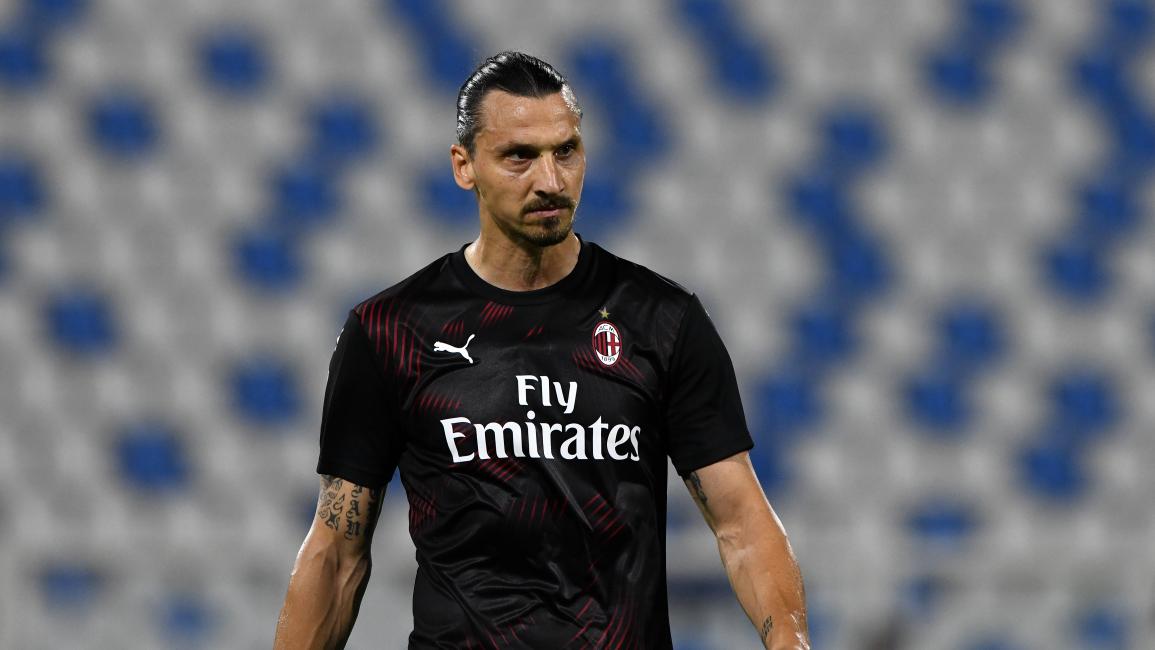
[(529, 388)]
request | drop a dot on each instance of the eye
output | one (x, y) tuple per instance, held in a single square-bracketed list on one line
[(566, 149), (520, 155)]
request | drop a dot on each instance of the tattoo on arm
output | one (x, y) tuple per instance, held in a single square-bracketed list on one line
[(353, 514), (332, 502), (767, 626), (696, 488), (354, 518)]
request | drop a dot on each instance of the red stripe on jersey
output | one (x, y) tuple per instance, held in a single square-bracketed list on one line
[(579, 633), (624, 628)]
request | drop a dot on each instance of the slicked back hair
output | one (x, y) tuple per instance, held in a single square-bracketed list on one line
[(516, 73)]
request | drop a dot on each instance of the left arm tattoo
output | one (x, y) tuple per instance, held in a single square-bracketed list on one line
[(696, 488)]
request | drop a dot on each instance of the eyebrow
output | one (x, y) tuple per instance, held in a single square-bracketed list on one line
[(522, 146)]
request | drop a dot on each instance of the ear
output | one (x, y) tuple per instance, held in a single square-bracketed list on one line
[(462, 167)]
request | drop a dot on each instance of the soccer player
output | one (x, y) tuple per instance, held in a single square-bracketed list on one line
[(528, 388)]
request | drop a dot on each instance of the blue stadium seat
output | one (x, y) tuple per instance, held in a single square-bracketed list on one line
[(152, 458), (768, 458), (1086, 400), (922, 595), (1077, 270), (47, 15), (234, 61), (82, 322), (823, 333), (854, 138), (958, 74), (943, 522), (858, 267), (1101, 73), (70, 586), (637, 129), (448, 53), (989, 23), (1129, 24), (445, 200), (1103, 627), (269, 259), (818, 201), (938, 402), (1134, 131), (744, 71), (1053, 470), (421, 14), (450, 58), (599, 65), (305, 194), (1108, 209), (22, 189), (740, 64), (123, 124), (970, 335), (187, 620), (607, 200), (343, 129), (266, 391), (24, 62), (788, 402)]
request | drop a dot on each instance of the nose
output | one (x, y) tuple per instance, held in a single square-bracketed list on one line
[(549, 180)]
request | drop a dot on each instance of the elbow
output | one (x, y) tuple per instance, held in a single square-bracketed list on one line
[(332, 558)]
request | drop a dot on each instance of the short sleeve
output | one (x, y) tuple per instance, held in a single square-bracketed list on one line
[(361, 437), (703, 410)]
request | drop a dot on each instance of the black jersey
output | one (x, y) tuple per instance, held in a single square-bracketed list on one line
[(531, 431)]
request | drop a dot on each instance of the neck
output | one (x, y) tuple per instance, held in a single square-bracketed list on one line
[(516, 266)]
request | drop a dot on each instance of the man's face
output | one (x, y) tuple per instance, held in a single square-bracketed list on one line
[(527, 167)]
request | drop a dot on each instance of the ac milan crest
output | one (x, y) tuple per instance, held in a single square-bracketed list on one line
[(607, 343)]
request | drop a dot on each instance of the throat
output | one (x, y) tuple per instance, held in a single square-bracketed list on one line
[(522, 268)]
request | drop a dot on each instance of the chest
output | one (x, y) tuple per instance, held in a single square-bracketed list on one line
[(555, 383)]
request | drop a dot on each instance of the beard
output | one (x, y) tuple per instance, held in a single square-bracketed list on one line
[(542, 232), (547, 232)]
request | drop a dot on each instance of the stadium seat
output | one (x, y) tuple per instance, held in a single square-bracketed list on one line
[(152, 459), (234, 61), (24, 61), (82, 322), (265, 391), (23, 194), (269, 259), (70, 586), (123, 124)]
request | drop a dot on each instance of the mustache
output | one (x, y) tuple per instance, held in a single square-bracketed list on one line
[(549, 203)]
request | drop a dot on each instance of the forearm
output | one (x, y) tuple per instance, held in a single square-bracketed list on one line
[(766, 579), (322, 601)]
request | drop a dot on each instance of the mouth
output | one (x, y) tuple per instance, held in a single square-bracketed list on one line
[(546, 213)]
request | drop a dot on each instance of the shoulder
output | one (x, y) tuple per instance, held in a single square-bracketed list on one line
[(654, 297), (646, 278)]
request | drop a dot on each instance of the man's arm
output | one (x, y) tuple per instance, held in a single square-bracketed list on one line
[(332, 568), (757, 556)]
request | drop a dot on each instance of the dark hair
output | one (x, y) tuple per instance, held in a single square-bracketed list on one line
[(516, 73)]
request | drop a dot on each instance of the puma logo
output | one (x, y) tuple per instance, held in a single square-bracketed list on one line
[(445, 347)]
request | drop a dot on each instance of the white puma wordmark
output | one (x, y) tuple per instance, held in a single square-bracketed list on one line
[(438, 346)]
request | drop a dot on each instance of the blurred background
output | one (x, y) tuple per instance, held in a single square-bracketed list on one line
[(920, 225)]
